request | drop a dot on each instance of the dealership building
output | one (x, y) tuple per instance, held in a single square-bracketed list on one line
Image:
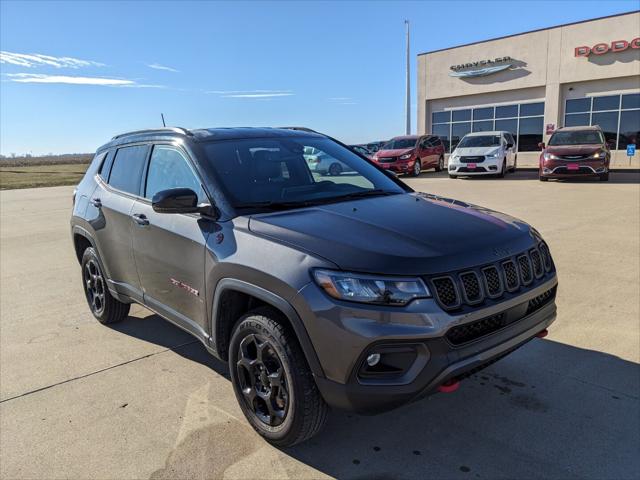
[(584, 73)]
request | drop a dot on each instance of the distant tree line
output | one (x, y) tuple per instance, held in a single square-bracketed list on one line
[(13, 160)]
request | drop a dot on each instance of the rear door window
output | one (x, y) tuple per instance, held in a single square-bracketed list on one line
[(126, 171)]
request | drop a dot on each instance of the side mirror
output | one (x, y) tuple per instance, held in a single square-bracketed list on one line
[(175, 200), (541, 145), (509, 145)]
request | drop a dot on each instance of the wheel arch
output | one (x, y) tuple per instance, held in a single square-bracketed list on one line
[(234, 298), (81, 241)]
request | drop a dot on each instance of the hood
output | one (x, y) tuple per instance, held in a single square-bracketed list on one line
[(475, 151), (404, 234), (394, 153), (573, 149)]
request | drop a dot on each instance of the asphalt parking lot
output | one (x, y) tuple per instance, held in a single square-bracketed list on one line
[(142, 399)]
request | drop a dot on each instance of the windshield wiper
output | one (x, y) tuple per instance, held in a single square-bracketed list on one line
[(271, 205), (366, 193)]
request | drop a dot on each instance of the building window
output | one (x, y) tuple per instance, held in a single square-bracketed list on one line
[(524, 121), (617, 115)]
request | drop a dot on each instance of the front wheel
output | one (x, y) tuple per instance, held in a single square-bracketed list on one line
[(604, 177), (440, 165), (104, 307), (543, 179), (503, 170), (417, 168), (453, 176), (272, 380)]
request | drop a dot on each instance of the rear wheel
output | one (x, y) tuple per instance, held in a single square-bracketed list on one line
[(103, 306), (272, 381), (440, 165), (335, 169)]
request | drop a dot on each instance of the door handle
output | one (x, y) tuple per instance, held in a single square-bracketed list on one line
[(141, 219), (96, 202)]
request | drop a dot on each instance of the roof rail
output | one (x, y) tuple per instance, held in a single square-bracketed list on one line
[(302, 129), (180, 130)]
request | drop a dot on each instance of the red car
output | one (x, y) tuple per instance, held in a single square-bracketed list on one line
[(411, 154), (575, 152)]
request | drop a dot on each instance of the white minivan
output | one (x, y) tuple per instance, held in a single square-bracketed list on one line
[(484, 153)]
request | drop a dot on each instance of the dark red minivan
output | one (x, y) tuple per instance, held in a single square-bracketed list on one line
[(575, 151), (411, 154)]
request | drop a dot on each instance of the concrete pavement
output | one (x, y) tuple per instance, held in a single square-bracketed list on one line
[(142, 399)]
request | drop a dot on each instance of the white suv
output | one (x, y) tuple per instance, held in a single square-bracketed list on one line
[(484, 153)]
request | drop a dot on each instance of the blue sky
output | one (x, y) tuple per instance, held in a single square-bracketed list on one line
[(76, 73)]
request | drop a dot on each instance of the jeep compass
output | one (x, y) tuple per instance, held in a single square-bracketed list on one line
[(350, 291)]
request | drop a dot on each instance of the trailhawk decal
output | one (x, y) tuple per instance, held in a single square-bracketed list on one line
[(184, 286)]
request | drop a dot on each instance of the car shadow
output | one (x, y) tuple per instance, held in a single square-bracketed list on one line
[(547, 410)]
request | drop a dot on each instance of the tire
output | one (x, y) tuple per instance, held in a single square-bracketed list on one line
[(543, 179), (103, 306), (453, 176), (417, 168), (604, 177), (440, 165), (335, 169), (503, 171), (297, 411)]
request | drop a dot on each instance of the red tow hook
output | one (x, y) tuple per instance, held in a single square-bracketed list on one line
[(542, 333), (449, 386)]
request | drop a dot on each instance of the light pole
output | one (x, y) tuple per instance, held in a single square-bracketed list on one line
[(408, 93)]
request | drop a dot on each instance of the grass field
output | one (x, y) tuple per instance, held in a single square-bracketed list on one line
[(51, 175)]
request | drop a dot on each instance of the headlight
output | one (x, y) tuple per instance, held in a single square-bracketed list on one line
[(550, 156), (493, 155), (355, 287), (600, 154), (406, 156)]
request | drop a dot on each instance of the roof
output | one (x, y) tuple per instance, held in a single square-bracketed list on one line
[(585, 127), (400, 137), (531, 31), (492, 132)]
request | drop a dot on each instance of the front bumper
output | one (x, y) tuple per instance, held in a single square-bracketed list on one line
[(354, 333), (562, 170), (404, 166), (486, 167)]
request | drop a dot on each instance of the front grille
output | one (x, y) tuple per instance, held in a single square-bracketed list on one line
[(446, 291), (478, 285), (541, 300), (526, 275), (477, 169), (387, 159), (471, 287), (469, 159), (492, 282), (546, 256), (571, 158), (461, 334), (536, 261), (511, 275)]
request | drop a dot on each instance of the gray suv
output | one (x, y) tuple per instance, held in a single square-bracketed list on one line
[(350, 291)]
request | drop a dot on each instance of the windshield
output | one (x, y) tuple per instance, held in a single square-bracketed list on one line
[(576, 137), (480, 141), (400, 144), (289, 172)]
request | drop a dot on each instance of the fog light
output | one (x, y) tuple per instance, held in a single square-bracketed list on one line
[(373, 359), (546, 170)]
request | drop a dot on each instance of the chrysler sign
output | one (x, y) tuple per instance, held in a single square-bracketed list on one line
[(602, 48), (481, 67)]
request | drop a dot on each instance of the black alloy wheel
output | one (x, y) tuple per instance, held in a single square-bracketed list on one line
[(94, 287), (262, 380)]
